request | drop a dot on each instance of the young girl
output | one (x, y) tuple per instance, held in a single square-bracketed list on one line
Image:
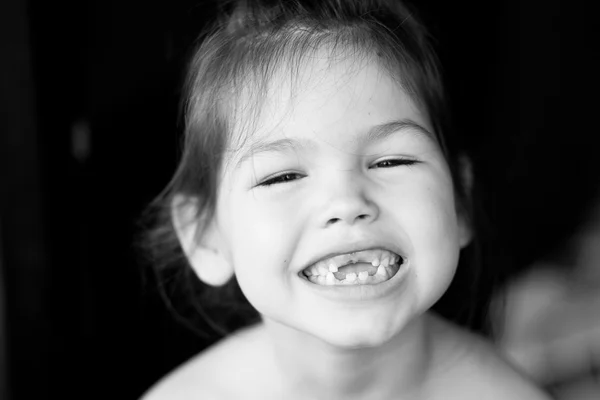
[(320, 175)]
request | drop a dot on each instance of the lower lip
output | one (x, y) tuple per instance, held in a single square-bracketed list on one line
[(360, 292)]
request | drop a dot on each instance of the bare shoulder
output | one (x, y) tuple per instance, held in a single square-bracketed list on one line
[(211, 375), (470, 367)]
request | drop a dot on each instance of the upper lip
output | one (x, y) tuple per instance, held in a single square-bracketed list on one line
[(352, 248)]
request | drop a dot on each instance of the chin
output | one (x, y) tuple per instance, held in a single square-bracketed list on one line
[(356, 336)]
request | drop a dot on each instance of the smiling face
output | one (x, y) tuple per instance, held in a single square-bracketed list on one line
[(341, 162)]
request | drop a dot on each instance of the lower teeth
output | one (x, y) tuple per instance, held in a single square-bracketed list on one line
[(382, 275)]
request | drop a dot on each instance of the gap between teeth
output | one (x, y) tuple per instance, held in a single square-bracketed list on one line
[(382, 274), (380, 258)]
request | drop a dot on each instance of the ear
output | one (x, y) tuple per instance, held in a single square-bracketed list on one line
[(465, 224), (205, 254)]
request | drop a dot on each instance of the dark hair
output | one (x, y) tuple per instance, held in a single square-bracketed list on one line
[(241, 52)]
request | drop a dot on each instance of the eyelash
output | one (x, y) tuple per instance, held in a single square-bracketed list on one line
[(281, 178), (397, 162)]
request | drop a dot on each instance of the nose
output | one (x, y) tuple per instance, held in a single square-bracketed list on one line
[(348, 203)]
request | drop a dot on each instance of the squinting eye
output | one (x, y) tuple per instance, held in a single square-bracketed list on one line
[(394, 162), (281, 178)]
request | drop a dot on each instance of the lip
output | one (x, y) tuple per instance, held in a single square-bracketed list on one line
[(355, 247), (361, 292)]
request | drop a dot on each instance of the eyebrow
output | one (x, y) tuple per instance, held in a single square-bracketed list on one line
[(374, 134), (385, 130)]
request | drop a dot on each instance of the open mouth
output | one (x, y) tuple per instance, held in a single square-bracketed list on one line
[(367, 267)]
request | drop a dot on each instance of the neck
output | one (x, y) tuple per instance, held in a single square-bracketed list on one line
[(312, 368)]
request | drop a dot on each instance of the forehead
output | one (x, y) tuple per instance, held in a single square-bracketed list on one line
[(322, 99)]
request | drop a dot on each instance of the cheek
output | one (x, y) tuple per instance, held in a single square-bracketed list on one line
[(258, 255), (261, 236), (432, 227), (434, 218)]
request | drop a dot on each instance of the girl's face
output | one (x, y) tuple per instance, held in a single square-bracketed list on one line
[(341, 162)]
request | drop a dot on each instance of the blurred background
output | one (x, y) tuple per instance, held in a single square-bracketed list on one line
[(89, 135)]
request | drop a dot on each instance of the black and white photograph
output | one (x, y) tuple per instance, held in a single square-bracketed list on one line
[(299, 200)]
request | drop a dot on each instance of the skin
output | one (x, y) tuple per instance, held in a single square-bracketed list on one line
[(339, 194), (462, 367), (341, 191)]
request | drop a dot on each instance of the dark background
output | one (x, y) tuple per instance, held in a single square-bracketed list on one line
[(88, 135)]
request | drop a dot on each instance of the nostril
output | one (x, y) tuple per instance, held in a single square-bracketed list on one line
[(360, 217)]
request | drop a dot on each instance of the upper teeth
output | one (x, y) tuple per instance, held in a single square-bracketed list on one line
[(376, 257)]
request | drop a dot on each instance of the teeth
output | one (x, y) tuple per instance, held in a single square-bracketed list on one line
[(352, 279), (323, 270), (330, 279), (378, 257)]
